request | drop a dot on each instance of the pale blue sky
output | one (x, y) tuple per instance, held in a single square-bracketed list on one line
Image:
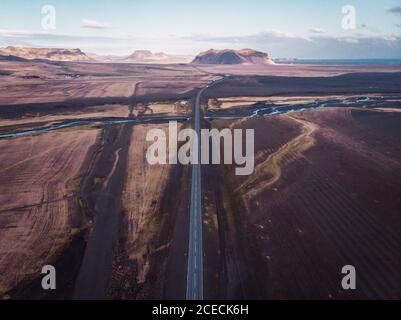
[(284, 28)]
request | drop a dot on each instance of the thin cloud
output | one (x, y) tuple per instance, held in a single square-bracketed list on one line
[(317, 30), (272, 35), (10, 34), (370, 28), (396, 10), (93, 24)]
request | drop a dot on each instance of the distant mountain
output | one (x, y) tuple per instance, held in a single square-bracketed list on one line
[(53, 54), (229, 56), (148, 55), (143, 56)]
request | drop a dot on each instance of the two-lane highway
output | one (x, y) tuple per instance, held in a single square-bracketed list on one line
[(195, 246)]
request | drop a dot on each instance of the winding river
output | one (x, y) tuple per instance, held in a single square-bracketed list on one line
[(241, 112)]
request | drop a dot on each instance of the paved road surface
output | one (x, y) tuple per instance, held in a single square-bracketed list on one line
[(195, 247)]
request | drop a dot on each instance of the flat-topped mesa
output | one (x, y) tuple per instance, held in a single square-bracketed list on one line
[(54, 54), (229, 56), (147, 55)]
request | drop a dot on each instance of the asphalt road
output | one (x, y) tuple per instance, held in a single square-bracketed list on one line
[(195, 246)]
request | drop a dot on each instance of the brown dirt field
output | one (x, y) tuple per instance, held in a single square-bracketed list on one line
[(147, 245), (336, 202), (101, 193), (132, 69), (168, 88), (293, 86), (110, 110), (142, 180), (40, 82), (41, 91), (295, 70), (231, 265), (17, 69), (168, 108), (39, 213), (268, 172)]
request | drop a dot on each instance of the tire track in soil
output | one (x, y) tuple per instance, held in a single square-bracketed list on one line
[(344, 223), (272, 165), (105, 199)]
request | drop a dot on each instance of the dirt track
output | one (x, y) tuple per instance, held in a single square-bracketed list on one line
[(269, 171)]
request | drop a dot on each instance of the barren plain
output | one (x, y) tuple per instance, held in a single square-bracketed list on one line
[(323, 195), (77, 192)]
